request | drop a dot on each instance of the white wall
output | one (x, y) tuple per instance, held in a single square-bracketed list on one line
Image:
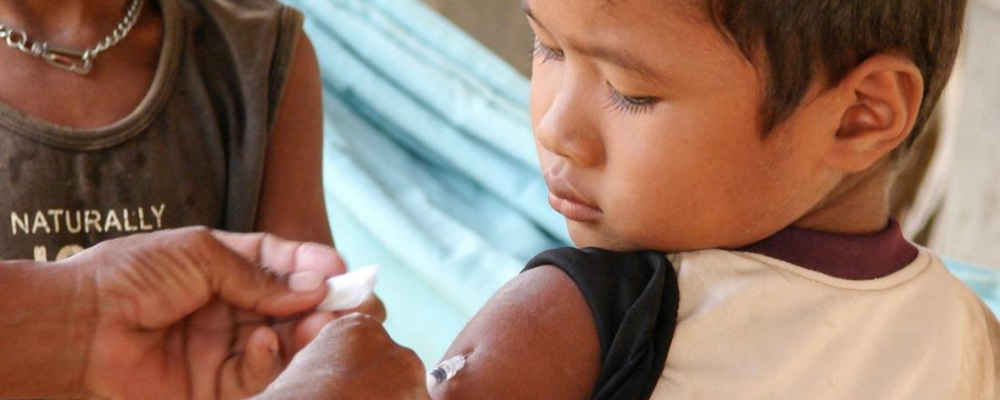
[(969, 226)]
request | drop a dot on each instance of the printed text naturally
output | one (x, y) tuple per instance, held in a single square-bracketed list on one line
[(135, 219)]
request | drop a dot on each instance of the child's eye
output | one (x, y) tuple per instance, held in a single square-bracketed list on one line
[(628, 104), (544, 53)]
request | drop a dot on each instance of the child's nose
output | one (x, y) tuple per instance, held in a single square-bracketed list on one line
[(567, 130)]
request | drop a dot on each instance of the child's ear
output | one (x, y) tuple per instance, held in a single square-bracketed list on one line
[(883, 94)]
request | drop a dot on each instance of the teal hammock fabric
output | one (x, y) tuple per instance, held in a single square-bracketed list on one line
[(429, 165), (430, 168), (984, 281)]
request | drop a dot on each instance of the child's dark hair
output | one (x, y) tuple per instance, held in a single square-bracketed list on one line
[(801, 38)]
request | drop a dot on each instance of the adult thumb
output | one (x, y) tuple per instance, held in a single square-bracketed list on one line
[(270, 275)]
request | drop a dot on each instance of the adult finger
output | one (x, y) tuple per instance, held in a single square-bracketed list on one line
[(250, 371), (352, 357), (240, 282), (372, 307), (285, 256), (297, 334), (207, 337), (154, 280)]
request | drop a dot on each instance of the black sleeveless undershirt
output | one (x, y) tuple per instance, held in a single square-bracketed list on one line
[(634, 299)]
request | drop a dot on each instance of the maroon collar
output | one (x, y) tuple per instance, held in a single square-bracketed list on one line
[(852, 257)]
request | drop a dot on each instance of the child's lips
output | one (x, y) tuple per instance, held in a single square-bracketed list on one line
[(567, 201), (574, 210)]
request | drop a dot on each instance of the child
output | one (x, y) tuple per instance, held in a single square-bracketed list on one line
[(192, 112), (754, 143)]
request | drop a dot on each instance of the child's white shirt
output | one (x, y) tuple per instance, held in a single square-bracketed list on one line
[(754, 327)]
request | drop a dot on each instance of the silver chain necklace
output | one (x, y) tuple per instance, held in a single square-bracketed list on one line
[(79, 61)]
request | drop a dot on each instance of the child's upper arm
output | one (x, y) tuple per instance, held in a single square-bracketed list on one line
[(291, 199), (535, 339)]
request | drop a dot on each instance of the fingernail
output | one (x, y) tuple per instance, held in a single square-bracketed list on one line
[(320, 258), (305, 281)]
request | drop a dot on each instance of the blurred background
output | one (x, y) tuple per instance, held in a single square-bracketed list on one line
[(430, 171), (498, 24)]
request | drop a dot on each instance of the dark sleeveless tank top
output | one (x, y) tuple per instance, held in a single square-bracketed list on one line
[(191, 153), (633, 298)]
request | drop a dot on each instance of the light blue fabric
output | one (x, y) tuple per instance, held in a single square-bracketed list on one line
[(429, 165), (984, 281)]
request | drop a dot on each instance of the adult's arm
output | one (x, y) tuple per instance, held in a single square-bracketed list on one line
[(174, 314), (44, 349)]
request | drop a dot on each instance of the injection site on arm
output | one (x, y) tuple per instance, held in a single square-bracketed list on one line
[(534, 339)]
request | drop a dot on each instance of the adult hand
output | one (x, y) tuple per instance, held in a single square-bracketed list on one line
[(351, 358), (179, 312), (175, 315)]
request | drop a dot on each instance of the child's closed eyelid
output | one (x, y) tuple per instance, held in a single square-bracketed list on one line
[(545, 53), (629, 104)]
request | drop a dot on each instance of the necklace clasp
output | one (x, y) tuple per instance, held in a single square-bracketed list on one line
[(76, 61), (66, 59)]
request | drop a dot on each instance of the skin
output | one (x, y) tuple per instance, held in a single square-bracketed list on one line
[(369, 365), (535, 339), (68, 99), (291, 202), (688, 169), (646, 122), (294, 151), (292, 166), (134, 318), (179, 314)]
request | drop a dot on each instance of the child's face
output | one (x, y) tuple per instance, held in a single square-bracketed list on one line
[(646, 122)]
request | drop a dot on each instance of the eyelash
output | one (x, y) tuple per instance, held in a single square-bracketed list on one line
[(544, 53), (617, 102), (629, 105)]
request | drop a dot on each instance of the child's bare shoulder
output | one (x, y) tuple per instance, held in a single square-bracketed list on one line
[(535, 339), (578, 323)]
